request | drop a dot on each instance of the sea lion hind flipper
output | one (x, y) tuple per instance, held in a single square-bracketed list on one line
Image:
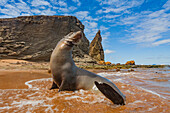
[(110, 93), (54, 86)]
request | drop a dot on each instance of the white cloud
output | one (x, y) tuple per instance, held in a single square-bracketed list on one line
[(25, 14), (22, 6), (148, 27), (103, 28), (62, 3), (40, 12), (161, 42), (5, 16), (121, 3), (129, 20), (105, 35), (90, 29), (99, 11), (111, 2), (84, 16), (81, 14), (111, 16), (35, 11), (72, 8), (61, 9), (42, 7), (10, 10), (90, 32), (107, 51), (151, 28), (118, 6), (3, 2), (116, 10), (48, 12), (92, 24), (167, 5), (67, 9), (9, 6), (110, 19), (36, 3), (77, 1), (91, 19)]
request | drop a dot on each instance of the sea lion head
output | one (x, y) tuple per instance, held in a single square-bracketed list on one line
[(71, 39)]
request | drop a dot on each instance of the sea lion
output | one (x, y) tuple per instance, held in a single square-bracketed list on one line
[(67, 76)]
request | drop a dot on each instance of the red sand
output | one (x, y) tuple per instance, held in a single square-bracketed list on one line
[(16, 79), (43, 99)]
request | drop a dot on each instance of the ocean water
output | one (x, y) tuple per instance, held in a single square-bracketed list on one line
[(156, 80), (146, 90)]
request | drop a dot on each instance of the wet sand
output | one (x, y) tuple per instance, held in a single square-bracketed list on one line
[(35, 96), (15, 79), (28, 91)]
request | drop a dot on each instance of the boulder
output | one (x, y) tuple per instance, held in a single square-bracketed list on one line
[(132, 62)]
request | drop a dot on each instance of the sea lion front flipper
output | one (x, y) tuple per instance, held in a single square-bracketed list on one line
[(64, 86), (110, 93), (54, 86)]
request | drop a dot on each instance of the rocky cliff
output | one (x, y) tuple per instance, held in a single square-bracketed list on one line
[(35, 37), (96, 49)]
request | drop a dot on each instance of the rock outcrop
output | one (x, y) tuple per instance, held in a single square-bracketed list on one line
[(96, 49), (34, 37), (132, 62)]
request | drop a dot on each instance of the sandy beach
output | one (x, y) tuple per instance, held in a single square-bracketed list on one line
[(15, 79), (26, 89)]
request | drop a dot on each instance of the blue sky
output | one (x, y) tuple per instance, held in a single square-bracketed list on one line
[(131, 29)]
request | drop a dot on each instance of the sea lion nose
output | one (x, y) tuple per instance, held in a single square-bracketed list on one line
[(79, 32)]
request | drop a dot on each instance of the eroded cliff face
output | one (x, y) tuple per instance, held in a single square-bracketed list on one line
[(35, 37), (96, 48)]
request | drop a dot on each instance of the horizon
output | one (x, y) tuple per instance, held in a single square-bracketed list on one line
[(130, 29)]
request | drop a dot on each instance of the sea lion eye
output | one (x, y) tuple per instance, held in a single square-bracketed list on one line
[(69, 43)]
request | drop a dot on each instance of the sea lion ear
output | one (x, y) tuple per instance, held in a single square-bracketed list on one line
[(110, 93)]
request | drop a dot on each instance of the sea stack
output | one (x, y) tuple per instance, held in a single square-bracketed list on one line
[(96, 49)]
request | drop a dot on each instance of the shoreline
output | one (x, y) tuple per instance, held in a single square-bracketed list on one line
[(25, 85), (14, 64), (27, 70)]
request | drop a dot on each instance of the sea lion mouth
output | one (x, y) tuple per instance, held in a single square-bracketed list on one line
[(75, 41)]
